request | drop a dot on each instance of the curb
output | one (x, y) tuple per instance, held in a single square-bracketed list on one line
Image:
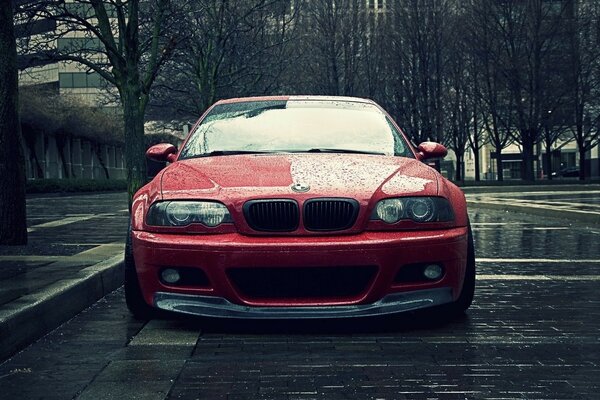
[(40, 312), (571, 215)]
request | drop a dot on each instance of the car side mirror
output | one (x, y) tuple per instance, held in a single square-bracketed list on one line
[(429, 150), (162, 152)]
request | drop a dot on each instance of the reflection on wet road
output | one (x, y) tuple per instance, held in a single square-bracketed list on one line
[(511, 235), (532, 333), (586, 201)]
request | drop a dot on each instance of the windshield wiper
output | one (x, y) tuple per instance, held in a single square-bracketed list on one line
[(231, 153), (349, 151), (313, 150)]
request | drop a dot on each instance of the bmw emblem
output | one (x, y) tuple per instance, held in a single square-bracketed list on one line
[(300, 187)]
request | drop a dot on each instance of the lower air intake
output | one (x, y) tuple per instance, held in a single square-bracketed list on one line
[(302, 282)]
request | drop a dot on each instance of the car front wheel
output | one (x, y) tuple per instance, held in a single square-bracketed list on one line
[(468, 290), (133, 294), (464, 300)]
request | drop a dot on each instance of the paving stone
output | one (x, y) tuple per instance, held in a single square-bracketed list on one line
[(130, 391), (522, 339), (161, 332)]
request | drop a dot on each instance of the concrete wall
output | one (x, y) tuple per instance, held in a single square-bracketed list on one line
[(81, 158)]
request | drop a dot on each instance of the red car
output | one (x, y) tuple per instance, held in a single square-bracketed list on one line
[(298, 207)]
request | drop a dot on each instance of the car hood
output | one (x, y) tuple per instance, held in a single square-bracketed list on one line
[(272, 175)]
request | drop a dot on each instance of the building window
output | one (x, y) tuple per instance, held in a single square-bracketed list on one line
[(85, 10), (65, 80), (95, 80), (80, 80)]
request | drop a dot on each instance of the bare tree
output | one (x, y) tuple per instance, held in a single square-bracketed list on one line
[(458, 100), (228, 49), (128, 41), (531, 46), (554, 130), (585, 83), (420, 43), (375, 58), (333, 33), (477, 132), (495, 105), (13, 227), (464, 105), (458, 132)]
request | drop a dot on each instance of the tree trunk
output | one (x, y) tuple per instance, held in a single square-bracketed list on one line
[(548, 166), (477, 169), (98, 152), (582, 152), (499, 166), (459, 164), (528, 173), (61, 142), (13, 225), (135, 159), (36, 168)]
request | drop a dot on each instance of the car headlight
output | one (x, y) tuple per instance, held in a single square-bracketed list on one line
[(182, 213), (390, 210), (418, 209)]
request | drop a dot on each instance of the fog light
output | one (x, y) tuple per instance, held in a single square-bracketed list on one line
[(433, 272), (170, 275)]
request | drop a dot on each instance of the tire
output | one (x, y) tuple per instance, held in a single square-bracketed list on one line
[(468, 290), (447, 312), (133, 294)]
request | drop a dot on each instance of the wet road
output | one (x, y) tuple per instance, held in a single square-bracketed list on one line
[(533, 332), (580, 200)]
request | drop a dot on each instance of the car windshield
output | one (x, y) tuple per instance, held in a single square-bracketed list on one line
[(326, 126)]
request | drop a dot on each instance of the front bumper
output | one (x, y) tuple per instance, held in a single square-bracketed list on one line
[(218, 307), (217, 254)]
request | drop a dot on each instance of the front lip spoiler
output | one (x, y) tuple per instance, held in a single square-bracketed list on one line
[(218, 307)]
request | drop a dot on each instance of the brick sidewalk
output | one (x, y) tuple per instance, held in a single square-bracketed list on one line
[(73, 259), (76, 244)]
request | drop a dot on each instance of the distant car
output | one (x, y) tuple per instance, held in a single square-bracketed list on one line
[(298, 207), (568, 172)]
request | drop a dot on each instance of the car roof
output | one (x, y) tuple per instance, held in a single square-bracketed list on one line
[(296, 98)]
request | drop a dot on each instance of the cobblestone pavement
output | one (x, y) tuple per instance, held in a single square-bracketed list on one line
[(62, 226), (533, 332), (66, 234), (73, 258)]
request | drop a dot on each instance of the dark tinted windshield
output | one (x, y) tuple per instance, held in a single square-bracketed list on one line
[(295, 126)]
